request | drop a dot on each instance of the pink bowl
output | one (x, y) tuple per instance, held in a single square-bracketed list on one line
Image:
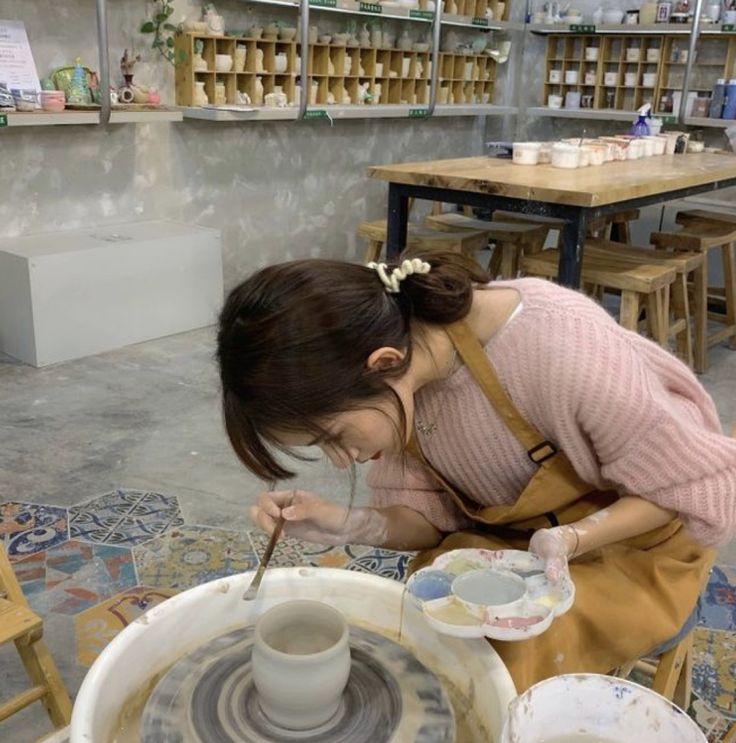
[(53, 100)]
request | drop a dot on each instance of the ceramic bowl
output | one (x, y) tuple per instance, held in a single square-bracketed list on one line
[(254, 32), (489, 588), (325, 39), (288, 33), (612, 16), (53, 100), (196, 27), (340, 39), (421, 47), (565, 156), (223, 63), (526, 153)]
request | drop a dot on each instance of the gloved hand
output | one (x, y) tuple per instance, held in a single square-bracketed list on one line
[(556, 546), (315, 519)]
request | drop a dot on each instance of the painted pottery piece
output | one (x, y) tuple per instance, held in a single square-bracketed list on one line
[(501, 594)]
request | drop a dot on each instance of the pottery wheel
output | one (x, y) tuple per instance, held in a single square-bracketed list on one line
[(208, 696)]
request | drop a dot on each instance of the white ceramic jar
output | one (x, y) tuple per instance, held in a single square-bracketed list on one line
[(301, 663), (571, 77), (649, 79), (591, 53), (526, 153), (555, 77), (565, 156), (223, 63), (653, 55), (610, 79)]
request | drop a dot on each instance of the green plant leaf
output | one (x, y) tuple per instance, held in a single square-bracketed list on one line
[(170, 42), (169, 27), (160, 17), (148, 27)]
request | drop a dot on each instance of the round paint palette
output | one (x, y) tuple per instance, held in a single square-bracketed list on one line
[(501, 594)]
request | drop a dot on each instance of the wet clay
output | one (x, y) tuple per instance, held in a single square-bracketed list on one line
[(579, 738)]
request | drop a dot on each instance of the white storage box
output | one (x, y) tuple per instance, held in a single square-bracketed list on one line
[(70, 294)]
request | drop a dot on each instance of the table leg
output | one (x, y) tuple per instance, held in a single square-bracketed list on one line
[(571, 254), (398, 216)]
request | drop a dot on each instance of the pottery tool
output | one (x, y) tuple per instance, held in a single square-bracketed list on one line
[(252, 591), (255, 584)]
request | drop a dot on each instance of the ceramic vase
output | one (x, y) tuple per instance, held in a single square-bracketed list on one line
[(199, 64), (405, 42), (347, 66), (258, 92), (239, 58), (313, 89), (200, 96), (364, 37), (377, 93), (220, 94), (215, 23), (376, 38), (281, 63), (259, 60)]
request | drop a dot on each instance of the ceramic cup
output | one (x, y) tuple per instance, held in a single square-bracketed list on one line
[(301, 663), (590, 78), (526, 153), (610, 78), (633, 54), (555, 76), (223, 62), (630, 79), (554, 101), (591, 53), (653, 55), (571, 77), (572, 99)]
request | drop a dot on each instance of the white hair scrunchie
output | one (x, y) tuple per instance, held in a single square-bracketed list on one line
[(407, 268)]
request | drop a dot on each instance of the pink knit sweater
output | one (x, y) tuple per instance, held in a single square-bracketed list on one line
[(628, 415)]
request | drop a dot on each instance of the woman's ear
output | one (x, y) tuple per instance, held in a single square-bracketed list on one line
[(386, 357)]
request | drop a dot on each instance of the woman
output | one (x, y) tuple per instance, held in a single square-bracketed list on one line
[(505, 414)]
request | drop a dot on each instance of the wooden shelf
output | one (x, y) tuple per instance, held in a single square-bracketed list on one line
[(660, 29), (119, 115), (609, 115)]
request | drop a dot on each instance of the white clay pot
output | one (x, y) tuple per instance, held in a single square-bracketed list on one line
[(223, 63), (565, 156), (301, 663), (596, 154), (555, 77), (591, 54), (658, 144), (526, 153), (200, 96), (239, 59), (281, 62)]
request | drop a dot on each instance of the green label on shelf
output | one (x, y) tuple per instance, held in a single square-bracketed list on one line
[(315, 114), (371, 8), (426, 15), (324, 3), (418, 113), (3, 119), (728, 28), (577, 29), (669, 119), (479, 21)]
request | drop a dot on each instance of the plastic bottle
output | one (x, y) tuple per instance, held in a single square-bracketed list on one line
[(641, 128), (729, 107), (717, 99)]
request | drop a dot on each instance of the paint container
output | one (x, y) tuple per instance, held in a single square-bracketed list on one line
[(653, 55), (610, 79), (554, 101), (572, 99), (649, 79), (489, 588), (565, 156), (603, 707), (555, 77), (630, 79), (571, 77), (591, 53)]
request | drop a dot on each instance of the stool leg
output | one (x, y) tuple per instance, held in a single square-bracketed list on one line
[(494, 264), (681, 311), (629, 315), (509, 259), (373, 253), (728, 253), (671, 665), (700, 316), (42, 670)]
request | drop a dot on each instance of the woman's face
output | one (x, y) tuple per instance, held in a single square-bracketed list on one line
[(362, 434)]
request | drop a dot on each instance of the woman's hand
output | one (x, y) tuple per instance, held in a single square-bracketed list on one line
[(555, 546), (315, 519)]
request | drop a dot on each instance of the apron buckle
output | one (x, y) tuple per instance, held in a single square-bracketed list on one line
[(542, 452)]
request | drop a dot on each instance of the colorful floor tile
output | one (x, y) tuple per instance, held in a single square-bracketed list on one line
[(74, 576), (714, 669), (189, 555), (288, 552), (386, 563), (323, 556), (718, 605), (28, 528), (713, 724), (124, 517), (95, 627)]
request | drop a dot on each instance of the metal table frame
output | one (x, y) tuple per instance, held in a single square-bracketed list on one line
[(576, 217)]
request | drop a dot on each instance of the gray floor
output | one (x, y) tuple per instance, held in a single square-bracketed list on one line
[(147, 417)]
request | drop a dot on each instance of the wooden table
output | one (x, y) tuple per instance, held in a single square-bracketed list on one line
[(575, 196)]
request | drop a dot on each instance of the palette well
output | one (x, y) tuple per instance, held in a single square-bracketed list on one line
[(500, 594)]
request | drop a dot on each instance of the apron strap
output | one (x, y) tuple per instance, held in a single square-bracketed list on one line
[(468, 346)]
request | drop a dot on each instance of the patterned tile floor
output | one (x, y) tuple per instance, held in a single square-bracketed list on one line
[(109, 559)]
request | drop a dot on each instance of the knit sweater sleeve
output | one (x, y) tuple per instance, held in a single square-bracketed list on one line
[(403, 481), (651, 425)]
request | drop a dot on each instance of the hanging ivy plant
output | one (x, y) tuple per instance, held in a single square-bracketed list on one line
[(163, 31)]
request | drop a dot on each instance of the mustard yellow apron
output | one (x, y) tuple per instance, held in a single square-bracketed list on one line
[(630, 596)]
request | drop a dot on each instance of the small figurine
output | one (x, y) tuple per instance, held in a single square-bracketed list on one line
[(364, 95), (126, 68), (78, 92), (199, 63), (215, 22)]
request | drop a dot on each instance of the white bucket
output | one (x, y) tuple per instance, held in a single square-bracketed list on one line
[(615, 710)]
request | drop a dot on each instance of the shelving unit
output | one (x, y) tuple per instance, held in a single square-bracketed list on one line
[(120, 115), (336, 74), (631, 70)]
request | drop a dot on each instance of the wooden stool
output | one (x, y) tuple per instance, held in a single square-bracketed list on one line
[(702, 235), (421, 236), (637, 282), (19, 624), (685, 265), (511, 240), (600, 227)]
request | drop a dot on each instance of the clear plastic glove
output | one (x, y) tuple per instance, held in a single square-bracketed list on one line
[(555, 546), (315, 519)]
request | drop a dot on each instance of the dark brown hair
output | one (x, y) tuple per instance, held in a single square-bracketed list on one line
[(294, 339)]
